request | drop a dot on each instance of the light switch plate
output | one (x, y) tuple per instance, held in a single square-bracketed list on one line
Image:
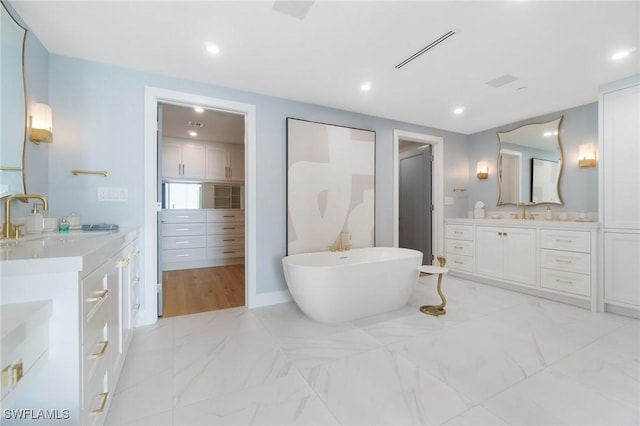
[(113, 194)]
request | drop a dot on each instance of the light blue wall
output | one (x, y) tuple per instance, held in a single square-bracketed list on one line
[(98, 123), (578, 187)]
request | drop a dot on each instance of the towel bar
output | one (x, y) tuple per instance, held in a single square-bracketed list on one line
[(89, 172)]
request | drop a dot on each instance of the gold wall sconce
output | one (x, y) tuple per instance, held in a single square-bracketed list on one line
[(41, 124), (587, 155), (482, 170)]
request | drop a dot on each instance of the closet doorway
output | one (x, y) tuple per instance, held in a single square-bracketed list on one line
[(406, 141), (201, 224)]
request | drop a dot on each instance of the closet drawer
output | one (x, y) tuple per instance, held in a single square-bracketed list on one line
[(566, 281), (183, 255), (178, 229), (224, 252), (181, 216), (225, 228), (460, 247), (187, 241), (225, 216), (569, 261), (462, 232), (579, 241), (225, 241)]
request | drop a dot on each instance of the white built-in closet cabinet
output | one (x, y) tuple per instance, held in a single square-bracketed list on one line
[(619, 163)]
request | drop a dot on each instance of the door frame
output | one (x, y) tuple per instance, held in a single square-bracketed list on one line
[(437, 186), (153, 96)]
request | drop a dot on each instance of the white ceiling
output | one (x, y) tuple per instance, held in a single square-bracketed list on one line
[(321, 52)]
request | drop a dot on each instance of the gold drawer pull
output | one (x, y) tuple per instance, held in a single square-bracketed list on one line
[(12, 374), (229, 239), (99, 295), (567, 282), (229, 251), (100, 410), (228, 216), (230, 227), (558, 240), (458, 232), (458, 262), (458, 247), (564, 261), (102, 350)]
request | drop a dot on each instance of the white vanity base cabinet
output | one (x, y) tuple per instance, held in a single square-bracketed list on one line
[(90, 327), (554, 260)]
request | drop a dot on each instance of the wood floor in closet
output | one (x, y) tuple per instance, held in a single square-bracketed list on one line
[(190, 291)]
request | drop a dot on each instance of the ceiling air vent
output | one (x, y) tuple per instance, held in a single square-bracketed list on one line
[(196, 124), (426, 48)]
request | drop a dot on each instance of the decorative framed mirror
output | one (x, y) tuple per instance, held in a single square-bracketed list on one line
[(13, 114), (530, 164)]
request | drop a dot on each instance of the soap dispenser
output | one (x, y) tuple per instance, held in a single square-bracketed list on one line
[(35, 221), (548, 215)]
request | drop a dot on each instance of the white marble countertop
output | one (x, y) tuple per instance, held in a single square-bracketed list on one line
[(61, 252), (537, 223)]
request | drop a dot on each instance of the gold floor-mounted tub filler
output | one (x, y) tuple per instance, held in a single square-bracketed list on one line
[(435, 310)]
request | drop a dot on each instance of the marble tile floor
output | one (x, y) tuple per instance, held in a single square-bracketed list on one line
[(496, 358)]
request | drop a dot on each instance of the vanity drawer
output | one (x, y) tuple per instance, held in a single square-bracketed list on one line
[(96, 396), (95, 342), (459, 262), (187, 241), (566, 281), (579, 241), (178, 229), (172, 216), (183, 255), (569, 261), (225, 216), (462, 232), (94, 292), (463, 247), (225, 228)]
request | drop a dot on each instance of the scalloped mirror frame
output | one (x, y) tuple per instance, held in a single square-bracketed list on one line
[(11, 114), (518, 165)]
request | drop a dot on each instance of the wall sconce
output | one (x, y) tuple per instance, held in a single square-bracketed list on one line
[(482, 170), (41, 123), (587, 155)]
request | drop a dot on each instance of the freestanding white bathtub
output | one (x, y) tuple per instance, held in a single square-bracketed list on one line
[(343, 286)]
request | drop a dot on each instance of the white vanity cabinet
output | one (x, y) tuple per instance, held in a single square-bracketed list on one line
[(460, 247), (506, 253), (619, 195), (90, 281), (551, 259)]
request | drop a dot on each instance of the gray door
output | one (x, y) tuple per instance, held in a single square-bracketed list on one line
[(415, 201)]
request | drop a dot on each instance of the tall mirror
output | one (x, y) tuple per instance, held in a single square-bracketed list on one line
[(530, 164), (13, 107)]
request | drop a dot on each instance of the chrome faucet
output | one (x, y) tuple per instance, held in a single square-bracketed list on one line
[(8, 229)]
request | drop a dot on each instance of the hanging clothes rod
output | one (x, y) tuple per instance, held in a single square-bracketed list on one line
[(89, 172)]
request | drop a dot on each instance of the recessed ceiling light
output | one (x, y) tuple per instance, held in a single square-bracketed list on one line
[(192, 133), (198, 109), (459, 110), (213, 49), (366, 86), (621, 54)]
